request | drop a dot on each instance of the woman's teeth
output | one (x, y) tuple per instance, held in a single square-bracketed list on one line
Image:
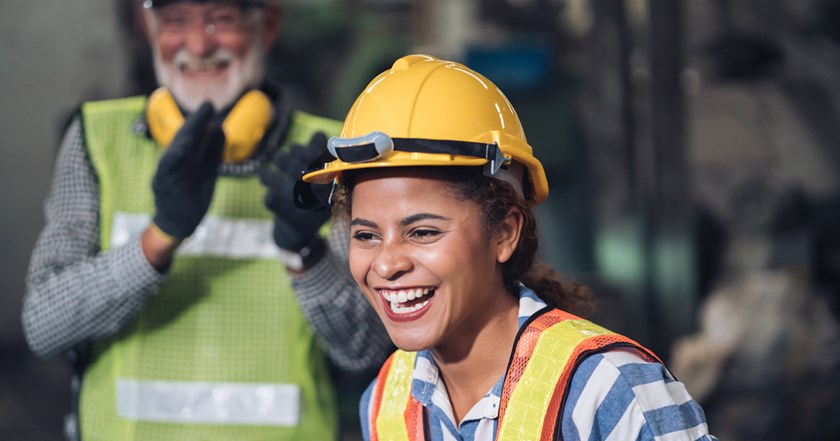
[(404, 295), (397, 309), (397, 299)]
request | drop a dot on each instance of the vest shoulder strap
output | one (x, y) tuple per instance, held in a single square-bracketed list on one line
[(107, 131), (395, 414), (545, 356), (302, 126)]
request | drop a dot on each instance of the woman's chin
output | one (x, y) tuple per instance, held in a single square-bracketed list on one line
[(409, 343)]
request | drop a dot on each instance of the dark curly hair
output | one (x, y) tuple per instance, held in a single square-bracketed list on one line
[(495, 198)]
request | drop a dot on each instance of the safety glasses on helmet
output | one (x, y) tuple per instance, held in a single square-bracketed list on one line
[(379, 146)]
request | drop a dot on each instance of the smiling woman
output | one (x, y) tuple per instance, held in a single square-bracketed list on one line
[(437, 181), (409, 235)]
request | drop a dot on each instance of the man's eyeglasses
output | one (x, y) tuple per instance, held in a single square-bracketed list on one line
[(220, 18)]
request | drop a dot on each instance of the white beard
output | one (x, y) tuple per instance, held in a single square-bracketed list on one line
[(221, 90)]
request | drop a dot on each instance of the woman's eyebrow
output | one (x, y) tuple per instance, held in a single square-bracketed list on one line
[(363, 223), (422, 216), (405, 222)]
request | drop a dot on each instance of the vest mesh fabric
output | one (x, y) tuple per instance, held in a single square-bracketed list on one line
[(215, 319), (414, 420), (545, 356), (397, 414), (544, 360)]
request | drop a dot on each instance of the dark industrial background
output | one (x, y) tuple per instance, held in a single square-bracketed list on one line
[(692, 149)]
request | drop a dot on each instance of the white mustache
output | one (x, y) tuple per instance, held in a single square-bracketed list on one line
[(221, 56), (220, 89)]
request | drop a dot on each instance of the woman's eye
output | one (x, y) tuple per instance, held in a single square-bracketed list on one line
[(363, 236), (425, 235)]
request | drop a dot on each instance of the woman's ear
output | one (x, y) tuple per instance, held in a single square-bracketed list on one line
[(507, 236)]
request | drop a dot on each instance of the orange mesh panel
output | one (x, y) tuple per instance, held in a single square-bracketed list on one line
[(414, 420), (381, 379)]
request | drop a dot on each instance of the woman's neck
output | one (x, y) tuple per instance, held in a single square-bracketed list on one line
[(475, 363)]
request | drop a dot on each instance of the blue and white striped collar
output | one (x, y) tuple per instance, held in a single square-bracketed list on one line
[(427, 386)]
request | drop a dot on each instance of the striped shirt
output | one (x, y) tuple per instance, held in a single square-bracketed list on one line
[(612, 396)]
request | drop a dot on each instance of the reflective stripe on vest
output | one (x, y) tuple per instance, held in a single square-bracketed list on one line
[(396, 414), (215, 236), (252, 404), (545, 355)]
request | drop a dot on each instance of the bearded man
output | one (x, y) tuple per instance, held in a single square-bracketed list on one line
[(192, 301)]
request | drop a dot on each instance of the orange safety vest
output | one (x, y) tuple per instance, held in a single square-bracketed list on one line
[(545, 355)]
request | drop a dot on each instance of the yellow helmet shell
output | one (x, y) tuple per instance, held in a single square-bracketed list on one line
[(422, 97)]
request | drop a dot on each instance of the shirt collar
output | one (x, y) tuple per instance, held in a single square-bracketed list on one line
[(427, 386)]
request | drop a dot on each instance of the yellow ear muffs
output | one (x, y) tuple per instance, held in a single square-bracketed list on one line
[(244, 126), (163, 116)]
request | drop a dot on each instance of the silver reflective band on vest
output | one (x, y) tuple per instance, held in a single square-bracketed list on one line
[(215, 236), (209, 403)]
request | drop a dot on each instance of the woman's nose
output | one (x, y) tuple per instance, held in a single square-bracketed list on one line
[(391, 262)]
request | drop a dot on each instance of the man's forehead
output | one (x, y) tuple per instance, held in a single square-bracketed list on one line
[(159, 3)]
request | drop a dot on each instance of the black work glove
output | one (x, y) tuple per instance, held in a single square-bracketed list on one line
[(186, 175), (295, 229)]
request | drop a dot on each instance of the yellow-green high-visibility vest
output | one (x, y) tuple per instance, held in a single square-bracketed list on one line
[(545, 356), (222, 351)]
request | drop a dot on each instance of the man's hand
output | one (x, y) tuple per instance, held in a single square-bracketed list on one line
[(295, 229), (186, 175)]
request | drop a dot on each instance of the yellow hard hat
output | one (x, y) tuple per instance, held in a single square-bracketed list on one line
[(429, 112)]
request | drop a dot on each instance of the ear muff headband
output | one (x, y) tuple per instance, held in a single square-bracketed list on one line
[(244, 126)]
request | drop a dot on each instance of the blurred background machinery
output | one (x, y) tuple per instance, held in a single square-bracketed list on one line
[(692, 149)]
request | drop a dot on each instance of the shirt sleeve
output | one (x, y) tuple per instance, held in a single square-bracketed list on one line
[(619, 396), (75, 293), (346, 324)]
